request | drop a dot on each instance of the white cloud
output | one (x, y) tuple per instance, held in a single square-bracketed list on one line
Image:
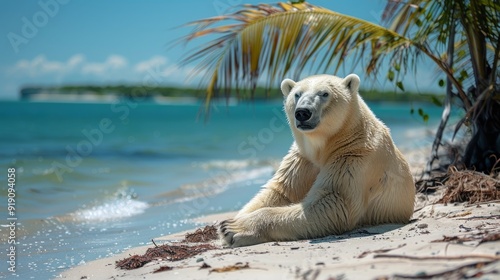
[(155, 70), (75, 60), (158, 69), (116, 61), (113, 62), (40, 66), (154, 62)]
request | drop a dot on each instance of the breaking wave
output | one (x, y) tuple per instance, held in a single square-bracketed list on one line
[(122, 205)]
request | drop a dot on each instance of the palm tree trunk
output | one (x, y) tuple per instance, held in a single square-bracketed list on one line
[(447, 102), (483, 150)]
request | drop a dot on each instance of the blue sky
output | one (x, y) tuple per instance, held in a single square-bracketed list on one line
[(57, 42)]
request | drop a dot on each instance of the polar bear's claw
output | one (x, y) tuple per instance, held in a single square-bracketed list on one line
[(225, 234)]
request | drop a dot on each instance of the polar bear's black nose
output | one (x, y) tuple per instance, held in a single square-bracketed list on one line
[(302, 114)]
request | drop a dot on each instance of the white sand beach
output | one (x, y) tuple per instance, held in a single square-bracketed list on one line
[(447, 241)]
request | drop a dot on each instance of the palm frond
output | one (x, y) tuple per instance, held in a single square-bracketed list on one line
[(477, 30), (279, 40), (269, 42)]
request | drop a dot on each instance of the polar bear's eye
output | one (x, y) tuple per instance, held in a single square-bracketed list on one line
[(324, 94), (297, 95)]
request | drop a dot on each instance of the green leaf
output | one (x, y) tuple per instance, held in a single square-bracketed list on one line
[(400, 85), (428, 16), (425, 116), (418, 22), (442, 39), (461, 54), (420, 112), (390, 75), (441, 83), (397, 67), (464, 74)]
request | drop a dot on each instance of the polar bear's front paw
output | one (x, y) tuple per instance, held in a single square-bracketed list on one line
[(234, 234)]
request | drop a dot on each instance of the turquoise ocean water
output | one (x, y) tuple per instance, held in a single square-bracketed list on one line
[(93, 179)]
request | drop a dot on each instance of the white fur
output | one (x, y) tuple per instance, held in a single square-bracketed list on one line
[(343, 173)]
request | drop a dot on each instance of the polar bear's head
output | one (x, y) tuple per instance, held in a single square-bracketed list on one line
[(319, 103)]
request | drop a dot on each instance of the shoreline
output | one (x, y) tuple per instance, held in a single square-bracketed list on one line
[(440, 238)]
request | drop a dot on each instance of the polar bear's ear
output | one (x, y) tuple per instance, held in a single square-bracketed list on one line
[(352, 82), (286, 86)]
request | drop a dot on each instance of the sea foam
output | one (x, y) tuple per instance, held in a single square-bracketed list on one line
[(120, 206)]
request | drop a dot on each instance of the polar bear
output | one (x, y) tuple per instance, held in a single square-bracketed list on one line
[(343, 170)]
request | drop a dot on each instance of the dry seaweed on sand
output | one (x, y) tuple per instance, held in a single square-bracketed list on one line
[(208, 233), (234, 267), (490, 238), (470, 186), (165, 252), (365, 253), (454, 239), (163, 268), (132, 262), (205, 266), (481, 237)]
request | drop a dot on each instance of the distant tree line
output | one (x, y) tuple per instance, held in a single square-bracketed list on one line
[(260, 93)]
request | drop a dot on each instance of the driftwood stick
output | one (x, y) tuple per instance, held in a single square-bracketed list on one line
[(457, 271)]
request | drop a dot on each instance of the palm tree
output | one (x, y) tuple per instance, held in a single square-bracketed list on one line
[(461, 37)]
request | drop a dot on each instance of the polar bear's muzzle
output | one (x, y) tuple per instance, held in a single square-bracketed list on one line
[(304, 119), (302, 114)]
